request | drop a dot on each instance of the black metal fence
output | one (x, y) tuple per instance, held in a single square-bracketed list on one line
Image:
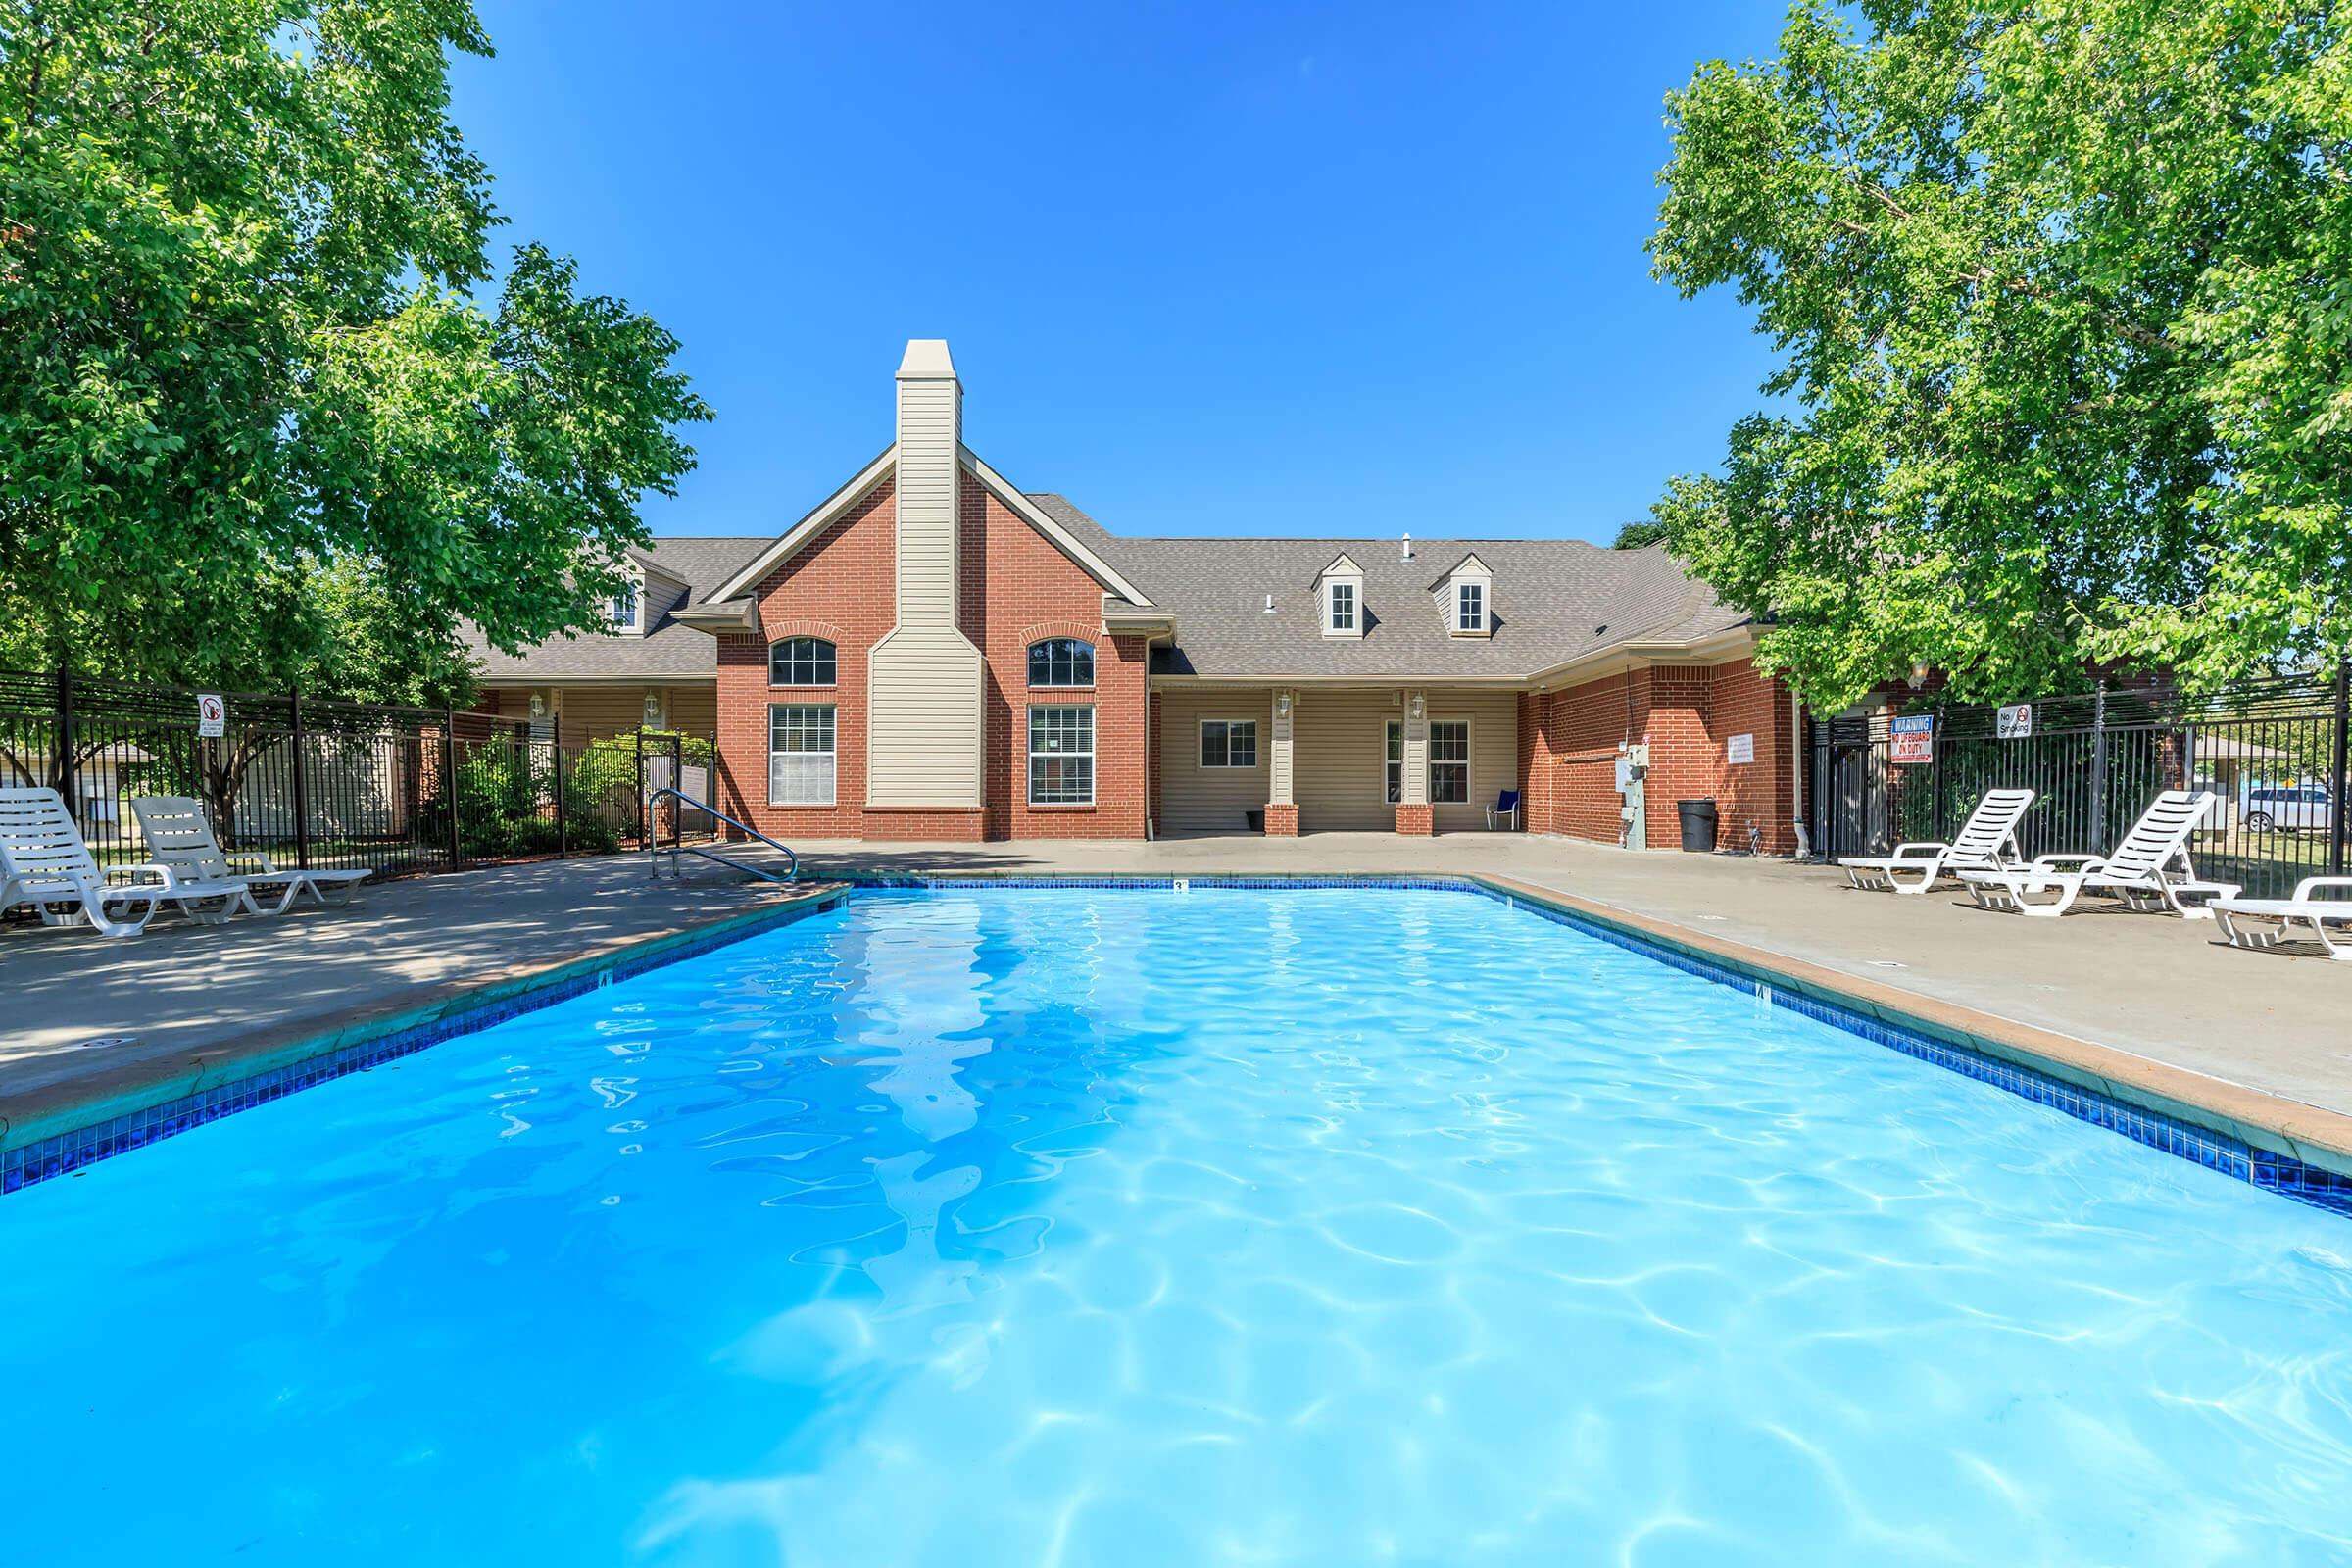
[(2272, 750), (317, 783)]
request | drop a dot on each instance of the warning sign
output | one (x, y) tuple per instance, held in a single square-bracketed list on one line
[(1915, 739), (2014, 722), (212, 713)]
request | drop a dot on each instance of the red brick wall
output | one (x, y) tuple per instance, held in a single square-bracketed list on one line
[(1016, 588), (1569, 740)]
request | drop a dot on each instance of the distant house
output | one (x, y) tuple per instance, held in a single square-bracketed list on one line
[(932, 652)]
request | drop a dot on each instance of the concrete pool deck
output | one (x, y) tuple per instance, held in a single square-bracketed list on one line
[(2151, 1006)]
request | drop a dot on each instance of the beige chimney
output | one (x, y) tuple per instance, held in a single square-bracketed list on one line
[(924, 734)]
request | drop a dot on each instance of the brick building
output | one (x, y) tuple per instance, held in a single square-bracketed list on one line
[(934, 653)]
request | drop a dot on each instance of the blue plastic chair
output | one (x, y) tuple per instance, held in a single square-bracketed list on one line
[(1506, 804)]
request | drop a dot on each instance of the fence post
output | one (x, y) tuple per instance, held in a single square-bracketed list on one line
[(1941, 830), (302, 788), (640, 737), (563, 828), (2338, 785), (2098, 765), (61, 767), (449, 783)]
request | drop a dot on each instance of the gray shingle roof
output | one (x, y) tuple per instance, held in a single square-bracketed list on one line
[(1554, 600), (666, 649)]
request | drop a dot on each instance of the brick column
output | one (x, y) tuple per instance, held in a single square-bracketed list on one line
[(1282, 821)]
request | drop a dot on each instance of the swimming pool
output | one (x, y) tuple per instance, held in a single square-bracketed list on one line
[(1122, 1227)]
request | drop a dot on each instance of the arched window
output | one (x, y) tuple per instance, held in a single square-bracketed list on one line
[(800, 662), (1062, 661)]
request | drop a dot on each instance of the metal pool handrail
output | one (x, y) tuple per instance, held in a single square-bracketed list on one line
[(678, 845)]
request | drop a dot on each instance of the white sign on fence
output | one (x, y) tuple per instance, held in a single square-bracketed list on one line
[(697, 783), (1914, 739), (1742, 748), (2014, 722), (212, 713)]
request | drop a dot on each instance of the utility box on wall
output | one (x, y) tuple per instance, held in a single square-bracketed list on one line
[(1633, 770)]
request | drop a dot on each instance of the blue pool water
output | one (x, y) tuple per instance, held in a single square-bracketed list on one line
[(1124, 1228)]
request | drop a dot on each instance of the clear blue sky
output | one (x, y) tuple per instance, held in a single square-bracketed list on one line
[(1298, 269)]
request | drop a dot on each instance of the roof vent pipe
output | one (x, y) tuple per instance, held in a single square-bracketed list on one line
[(1408, 546), (1269, 610)]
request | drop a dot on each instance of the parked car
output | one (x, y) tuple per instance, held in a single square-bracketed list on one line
[(2294, 808)]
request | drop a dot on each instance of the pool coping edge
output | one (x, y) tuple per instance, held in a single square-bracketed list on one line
[(169, 1088)]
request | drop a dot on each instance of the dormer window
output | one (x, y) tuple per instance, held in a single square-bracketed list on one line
[(1340, 598), (1465, 599), (621, 611)]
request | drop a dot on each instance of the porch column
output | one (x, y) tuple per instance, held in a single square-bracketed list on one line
[(1281, 805), (1412, 813)]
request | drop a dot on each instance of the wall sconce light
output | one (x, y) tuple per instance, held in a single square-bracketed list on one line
[(1918, 676), (1282, 705), (1420, 706), (538, 706)]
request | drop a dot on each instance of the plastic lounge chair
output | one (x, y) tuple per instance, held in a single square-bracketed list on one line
[(2281, 916), (179, 836), (44, 863), (2149, 870), (1986, 842), (1505, 803)]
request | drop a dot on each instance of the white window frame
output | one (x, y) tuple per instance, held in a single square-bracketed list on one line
[(1467, 617), (632, 594), (1035, 756), (832, 771), (1391, 767), (1468, 763), (1228, 765), (1331, 607)]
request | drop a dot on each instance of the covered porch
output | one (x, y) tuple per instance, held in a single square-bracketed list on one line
[(1331, 758)]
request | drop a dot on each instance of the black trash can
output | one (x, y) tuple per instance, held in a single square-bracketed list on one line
[(1256, 821), (1698, 827)]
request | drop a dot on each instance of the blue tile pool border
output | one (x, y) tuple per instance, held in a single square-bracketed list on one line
[(2208, 1147), (2269, 1170), (64, 1153)]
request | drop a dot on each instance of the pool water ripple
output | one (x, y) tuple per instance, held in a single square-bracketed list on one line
[(1125, 1228)]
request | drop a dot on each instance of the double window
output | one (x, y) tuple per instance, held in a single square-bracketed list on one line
[(802, 662), (1228, 743), (1062, 756), (800, 755), (1449, 762), (1342, 598), (1062, 661), (1470, 607)]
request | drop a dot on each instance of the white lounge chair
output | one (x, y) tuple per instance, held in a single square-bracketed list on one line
[(2276, 918), (44, 863), (2150, 870), (1986, 842), (179, 836)]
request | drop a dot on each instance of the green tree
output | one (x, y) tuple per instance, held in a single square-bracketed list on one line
[(244, 384), (2063, 290), (1640, 534)]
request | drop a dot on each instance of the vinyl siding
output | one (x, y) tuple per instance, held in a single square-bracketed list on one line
[(1493, 752), (1342, 779), (924, 733), (927, 502), (1198, 799)]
